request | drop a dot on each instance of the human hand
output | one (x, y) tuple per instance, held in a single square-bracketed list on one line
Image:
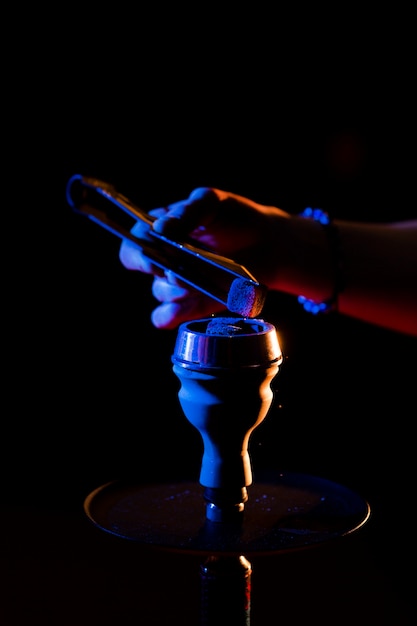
[(219, 221)]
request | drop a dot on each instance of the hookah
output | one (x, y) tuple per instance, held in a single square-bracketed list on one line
[(225, 366)]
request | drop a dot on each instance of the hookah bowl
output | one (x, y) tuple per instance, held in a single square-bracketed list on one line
[(226, 366)]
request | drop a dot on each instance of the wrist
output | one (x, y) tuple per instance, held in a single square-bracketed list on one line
[(302, 258), (313, 304)]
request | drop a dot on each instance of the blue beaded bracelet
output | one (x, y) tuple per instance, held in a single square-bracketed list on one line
[(311, 306)]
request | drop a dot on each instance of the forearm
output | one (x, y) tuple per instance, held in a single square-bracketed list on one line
[(299, 258), (374, 265), (379, 273)]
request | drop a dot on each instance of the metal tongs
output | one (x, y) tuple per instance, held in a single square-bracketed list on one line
[(218, 277)]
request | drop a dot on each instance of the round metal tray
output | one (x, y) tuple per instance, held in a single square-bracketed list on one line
[(287, 511)]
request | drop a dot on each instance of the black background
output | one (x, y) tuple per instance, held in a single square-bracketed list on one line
[(286, 111)]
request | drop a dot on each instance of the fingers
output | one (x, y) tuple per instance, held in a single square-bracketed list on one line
[(131, 255), (179, 303), (169, 288), (183, 217), (175, 221), (170, 315)]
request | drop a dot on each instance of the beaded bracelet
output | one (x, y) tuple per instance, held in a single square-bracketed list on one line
[(311, 306)]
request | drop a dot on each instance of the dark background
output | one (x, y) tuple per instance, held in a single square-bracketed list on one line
[(290, 112)]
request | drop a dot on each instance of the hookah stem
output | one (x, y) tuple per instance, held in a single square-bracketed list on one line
[(225, 591)]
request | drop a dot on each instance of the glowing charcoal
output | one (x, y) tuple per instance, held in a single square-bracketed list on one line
[(246, 298), (226, 326)]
